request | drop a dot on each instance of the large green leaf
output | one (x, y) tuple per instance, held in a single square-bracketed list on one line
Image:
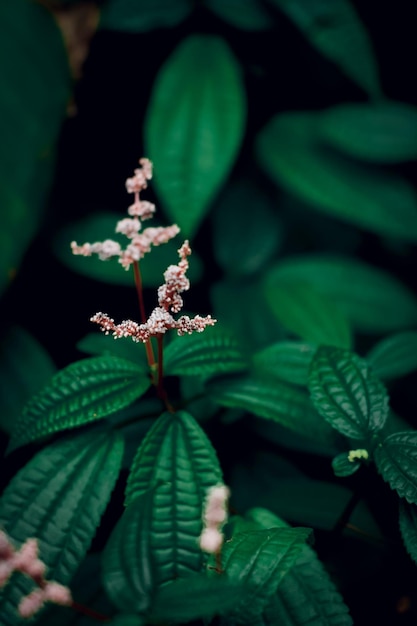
[(273, 399), (346, 393), (307, 313), (289, 149), (244, 14), (287, 360), (408, 527), (212, 352), (383, 132), (25, 367), (194, 127), (177, 457), (35, 85), (260, 559), (58, 498), (396, 460), (394, 356), (83, 392), (336, 30), (137, 17), (358, 290)]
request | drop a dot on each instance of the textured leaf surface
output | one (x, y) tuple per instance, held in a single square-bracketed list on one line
[(260, 559), (408, 527), (289, 149), (59, 497), (25, 367), (336, 30), (244, 14), (177, 457), (394, 356), (346, 393), (272, 399), (396, 460), (137, 17), (203, 354), (193, 144), (383, 132), (358, 290), (287, 360), (83, 392)]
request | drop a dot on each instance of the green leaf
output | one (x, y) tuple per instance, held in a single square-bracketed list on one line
[(408, 527), (383, 132), (272, 399), (177, 457), (137, 17), (394, 356), (127, 567), (244, 14), (194, 126), (25, 367), (287, 360), (249, 249), (358, 290), (58, 498), (260, 559), (346, 393), (83, 392), (98, 344), (31, 39), (101, 227), (195, 597), (343, 466), (336, 30), (290, 152), (305, 312), (396, 460), (212, 352)]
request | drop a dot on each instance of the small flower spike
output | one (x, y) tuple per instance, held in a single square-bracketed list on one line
[(214, 516)]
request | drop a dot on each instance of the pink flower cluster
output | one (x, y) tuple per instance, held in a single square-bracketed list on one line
[(26, 561), (139, 242), (214, 516), (161, 320)]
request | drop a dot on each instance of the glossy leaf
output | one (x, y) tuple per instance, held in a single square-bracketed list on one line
[(194, 144), (290, 151), (138, 17), (260, 559), (203, 354), (25, 367), (83, 392), (287, 360), (59, 497), (29, 133), (127, 561), (177, 457), (408, 527), (272, 399), (305, 312), (336, 30), (244, 14), (396, 460), (346, 393), (394, 356), (358, 290), (383, 132)]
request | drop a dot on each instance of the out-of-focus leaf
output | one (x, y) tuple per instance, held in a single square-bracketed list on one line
[(137, 17), (343, 466), (394, 356), (287, 360), (101, 227), (244, 14), (98, 344), (58, 498), (396, 460), (408, 527), (358, 289), (290, 152), (25, 367), (194, 126), (383, 132), (35, 82), (81, 393), (243, 245), (346, 393), (336, 30)]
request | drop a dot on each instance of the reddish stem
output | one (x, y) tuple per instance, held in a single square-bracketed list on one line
[(160, 387), (139, 291), (85, 610)]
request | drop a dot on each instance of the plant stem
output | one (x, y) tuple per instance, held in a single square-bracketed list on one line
[(139, 291), (160, 386), (85, 610)]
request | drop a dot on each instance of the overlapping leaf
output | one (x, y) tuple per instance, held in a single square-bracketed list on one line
[(346, 393), (83, 392), (394, 356), (58, 498), (408, 527), (138, 17), (245, 14), (287, 360), (396, 460), (193, 144)]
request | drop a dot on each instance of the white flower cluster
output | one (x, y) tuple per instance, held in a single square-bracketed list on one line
[(214, 516)]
